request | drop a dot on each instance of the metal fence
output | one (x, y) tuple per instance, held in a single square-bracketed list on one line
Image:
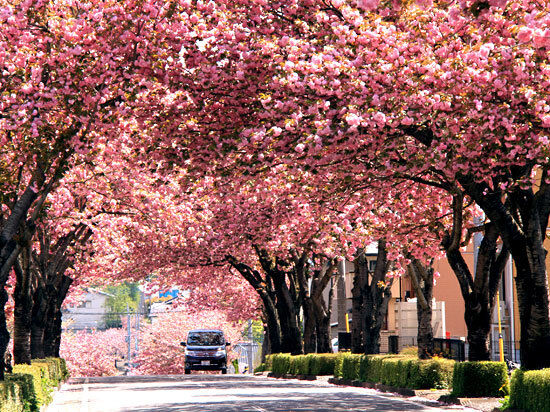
[(248, 355), (450, 348)]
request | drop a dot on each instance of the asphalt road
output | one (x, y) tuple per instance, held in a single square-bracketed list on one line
[(223, 393)]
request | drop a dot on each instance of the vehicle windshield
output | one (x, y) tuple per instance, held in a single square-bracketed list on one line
[(205, 339)]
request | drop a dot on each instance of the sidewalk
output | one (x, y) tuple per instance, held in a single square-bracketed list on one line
[(423, 395)]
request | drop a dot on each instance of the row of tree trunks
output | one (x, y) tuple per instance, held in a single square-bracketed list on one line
[(283, 281), (288, 290), (9, 251), (40, 291)]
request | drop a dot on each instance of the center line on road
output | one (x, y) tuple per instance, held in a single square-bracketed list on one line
[(85, 393), (259, 409)]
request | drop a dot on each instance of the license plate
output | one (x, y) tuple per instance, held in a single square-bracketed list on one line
[(205, 362)]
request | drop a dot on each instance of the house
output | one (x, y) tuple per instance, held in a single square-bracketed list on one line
[(448, 316), (88, 314)]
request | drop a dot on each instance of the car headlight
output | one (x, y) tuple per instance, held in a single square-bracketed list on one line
[(190, 352), (220, 351)]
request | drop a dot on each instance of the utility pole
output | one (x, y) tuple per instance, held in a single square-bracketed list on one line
[(129, 336), (137, 331)]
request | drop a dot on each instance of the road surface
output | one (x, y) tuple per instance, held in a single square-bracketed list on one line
[(218, 393)]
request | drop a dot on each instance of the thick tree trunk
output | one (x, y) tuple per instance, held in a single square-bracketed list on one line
[(378, 302), (4, 334), (273, 326), (521, 222), (23, 303), (291, 339), (376, 296), (478, 322), (52, 333), (310, 326), (422, 278), (22, 331), (478, 292), (357, 309), (287, 300), (322, 328), (264, 290), (312, 284), (39, 320)]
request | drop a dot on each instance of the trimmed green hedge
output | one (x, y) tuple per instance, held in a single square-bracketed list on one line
[(299, 365), (322, 363), (280, 363), (17, 394), (530, 390), (41, 381), (478, 379), (396, 370), (31, 386), (403, 371)]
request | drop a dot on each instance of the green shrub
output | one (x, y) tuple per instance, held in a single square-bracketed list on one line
[(436, 373), (262, 367), (322, 363), (281, 363), (64, 371), (371, 369), (269, 362), (409, 351), (350, 366), (52, 370), (339, 363), (406, 371), (530, 390), (396, 371), (21, 394), (476, 379), (41, 381), (299, 365)]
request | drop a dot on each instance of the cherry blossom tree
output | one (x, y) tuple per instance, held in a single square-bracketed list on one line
[(438, 94), (160, 350), (93, 353), (69, 70)]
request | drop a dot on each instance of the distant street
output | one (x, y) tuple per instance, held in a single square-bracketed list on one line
[(223, 393)]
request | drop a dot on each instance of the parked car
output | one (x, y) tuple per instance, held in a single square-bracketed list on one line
[(205, 349)]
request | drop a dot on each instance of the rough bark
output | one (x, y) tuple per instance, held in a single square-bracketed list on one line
[(478, 292), (263, 288), (312, 283), (321, 279), (376, 294), (288, 300), (23, 303), (38, 325), (51, 262), (521, 222), (360, 281), (520, 215), (4, 334), (422, 278), (53, 329)]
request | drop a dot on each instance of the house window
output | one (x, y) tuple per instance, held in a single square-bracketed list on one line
[(85, 304)]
